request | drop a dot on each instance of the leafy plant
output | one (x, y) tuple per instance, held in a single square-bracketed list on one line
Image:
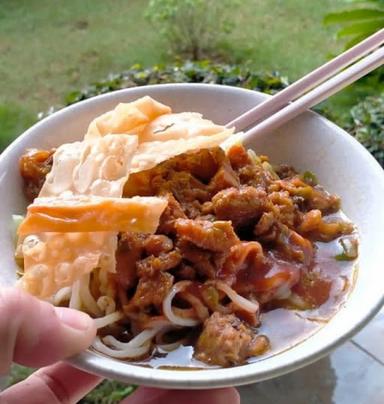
[(361, 19), (368, 125), (365, 121), (183, 72), (193, 28), (107, 392)]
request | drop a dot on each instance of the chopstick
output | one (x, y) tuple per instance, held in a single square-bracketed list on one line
[(308, 82), (318, 94)]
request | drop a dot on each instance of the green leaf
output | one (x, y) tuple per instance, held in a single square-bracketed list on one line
[(361, 28), (353, 15), (356, 39)]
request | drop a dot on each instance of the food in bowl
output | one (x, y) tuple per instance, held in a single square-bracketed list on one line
[(168, 240)]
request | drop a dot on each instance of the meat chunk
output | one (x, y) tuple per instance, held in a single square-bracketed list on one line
[(34, 167), (150, 292), (241, 206), (283, 207), (323, 200), (206, 263), (224, 178), (185, 175), (130, 249), (183, 185), (149, 266), (172, 212), (214, 236), (285, 171), (157, 244), (255, 176), (238, 156), (314, 197), (314, 226), (202, 164), (249, 167), (227, 341)]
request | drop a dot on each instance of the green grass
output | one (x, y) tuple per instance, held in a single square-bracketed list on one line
[(107, 392), (14, 119), (285, 35), (50, 47)]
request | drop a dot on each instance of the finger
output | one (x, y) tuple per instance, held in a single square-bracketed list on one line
[(56, 384), (148, 395), (35, 333)]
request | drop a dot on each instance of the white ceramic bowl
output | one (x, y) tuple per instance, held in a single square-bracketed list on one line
[(309, 142)]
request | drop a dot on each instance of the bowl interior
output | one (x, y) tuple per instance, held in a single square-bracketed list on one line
[(309, 142)]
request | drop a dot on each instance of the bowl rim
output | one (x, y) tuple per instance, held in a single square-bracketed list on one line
[(207, 378)]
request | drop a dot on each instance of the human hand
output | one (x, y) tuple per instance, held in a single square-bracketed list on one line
[(36, 334)]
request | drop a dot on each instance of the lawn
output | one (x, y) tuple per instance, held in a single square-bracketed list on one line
[(49, 47)]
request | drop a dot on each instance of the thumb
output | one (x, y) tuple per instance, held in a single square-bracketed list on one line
[(35, 333)]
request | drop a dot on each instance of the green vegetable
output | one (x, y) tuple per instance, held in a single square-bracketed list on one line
[(309, 178), (211, 295), (350, 249)]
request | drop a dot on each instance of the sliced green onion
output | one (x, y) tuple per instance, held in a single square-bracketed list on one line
[(309, 177), (350, 249)]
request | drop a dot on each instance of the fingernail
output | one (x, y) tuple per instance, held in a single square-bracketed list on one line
[(73, 318)]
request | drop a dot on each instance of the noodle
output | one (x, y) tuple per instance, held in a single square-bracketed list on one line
[(75, 301), (137, 346), (87, 299), (240, 301), (167, 306), (201, 311), (128, 352), (62, 295), (108, 319), (139, 340), (105, 284), (106, 304)]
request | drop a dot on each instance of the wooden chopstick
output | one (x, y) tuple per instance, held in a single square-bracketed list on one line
[(318, 94), (306, 83)]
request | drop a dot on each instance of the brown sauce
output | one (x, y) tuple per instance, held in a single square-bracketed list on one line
[(285, 327)]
